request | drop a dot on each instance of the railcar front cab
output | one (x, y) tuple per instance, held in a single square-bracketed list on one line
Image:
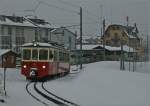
[(34, 55), (35, 60)]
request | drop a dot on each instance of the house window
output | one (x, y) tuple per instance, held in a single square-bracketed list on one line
[(113, 28), (2, 30), (20, 35), (116, 35), (5, 42), (9, 31), (20, 40), (115, 39), (107, 43), (19, 31), (46, 32), (108, 34), (117, 27), (123, 34)]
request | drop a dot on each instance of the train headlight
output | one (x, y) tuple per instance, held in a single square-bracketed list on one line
[(24, 66), (44, 67)]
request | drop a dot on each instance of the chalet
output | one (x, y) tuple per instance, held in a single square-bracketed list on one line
[(117, 34), (7, 58)]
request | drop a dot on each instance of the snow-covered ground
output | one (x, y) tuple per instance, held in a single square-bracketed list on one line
[(98, 84)]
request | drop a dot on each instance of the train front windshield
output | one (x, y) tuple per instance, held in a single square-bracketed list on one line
[(35, 54)]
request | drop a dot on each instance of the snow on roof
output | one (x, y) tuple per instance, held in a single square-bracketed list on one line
[(3, 51), (87, 47), (88, 37), (24, 23), (131, 36), (125, 48), (110, 48), (44, 26), (9, 22)]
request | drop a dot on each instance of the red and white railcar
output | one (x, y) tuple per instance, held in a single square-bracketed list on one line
[(42, 60)]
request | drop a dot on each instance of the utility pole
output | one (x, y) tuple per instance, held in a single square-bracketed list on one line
[(104, 42), (81, 37), (147, 48), (76, 55), (10, 40), (4, 65), (101, 19), (76, 39), (127, 19), (5, 80), (134, 60), (122, 57)]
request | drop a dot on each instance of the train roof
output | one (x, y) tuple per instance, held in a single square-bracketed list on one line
[(39, 44)]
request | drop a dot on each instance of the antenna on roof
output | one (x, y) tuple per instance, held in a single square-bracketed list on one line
[(127, 20)]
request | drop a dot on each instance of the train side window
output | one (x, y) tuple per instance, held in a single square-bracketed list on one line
[(55, 55), (26, 54), (51, 55), (67, 57), (43, 54), (64, 57), (60, 56)]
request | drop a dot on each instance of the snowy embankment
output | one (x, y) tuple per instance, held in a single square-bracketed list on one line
[(100, 83)]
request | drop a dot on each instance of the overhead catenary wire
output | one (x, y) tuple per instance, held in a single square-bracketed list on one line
[(57, 7), (89, 15), (77, 6), (68, 10), (68, 3)]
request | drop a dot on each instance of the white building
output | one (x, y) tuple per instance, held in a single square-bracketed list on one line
[(64, 37), (16, 30)]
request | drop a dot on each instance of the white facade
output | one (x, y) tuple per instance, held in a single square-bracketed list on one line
[(64, 37), (15, 31)]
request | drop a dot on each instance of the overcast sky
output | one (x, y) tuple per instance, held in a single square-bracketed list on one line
[(65, 12)]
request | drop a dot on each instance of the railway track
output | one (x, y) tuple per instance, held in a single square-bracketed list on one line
[(60, 98), (32, 95), (47, 95)]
